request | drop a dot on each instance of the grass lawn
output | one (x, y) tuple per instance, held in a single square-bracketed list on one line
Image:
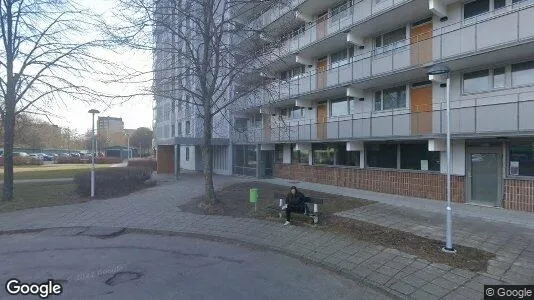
[(234, 202), (50, 171), (31, 195)]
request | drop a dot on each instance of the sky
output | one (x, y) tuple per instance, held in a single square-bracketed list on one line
[(135, 113)]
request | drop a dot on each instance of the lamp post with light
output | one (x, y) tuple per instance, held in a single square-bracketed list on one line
[(93, 112), (444, 70)]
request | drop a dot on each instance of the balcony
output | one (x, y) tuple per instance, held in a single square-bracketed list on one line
[(274, 13), (502, 27), (468, 118), (459, 42), (337, 23)]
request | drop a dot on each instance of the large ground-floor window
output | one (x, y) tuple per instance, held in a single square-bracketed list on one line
[(406, 156), (299, 156), (334, 154), (244, 160), (417, 157), (521, 158), (279, 153)]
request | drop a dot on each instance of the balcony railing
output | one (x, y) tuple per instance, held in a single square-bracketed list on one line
[(324, 27), (513, 24), (274, 13), (472, 116)]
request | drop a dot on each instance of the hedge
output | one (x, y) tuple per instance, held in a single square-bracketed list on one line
[(23, 161), (143, 162), (111, 182), (98, 160)]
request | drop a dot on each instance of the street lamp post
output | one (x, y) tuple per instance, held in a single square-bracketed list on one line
[(93, 112), (445, 70)]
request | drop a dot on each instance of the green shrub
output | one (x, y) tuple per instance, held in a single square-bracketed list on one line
[(23, 161), (107, 160), (111, 182), (149, 163)]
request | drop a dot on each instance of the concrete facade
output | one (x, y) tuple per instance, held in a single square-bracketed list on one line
[(355, 73)]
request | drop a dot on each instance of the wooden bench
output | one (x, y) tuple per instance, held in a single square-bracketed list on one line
[(311, 207)]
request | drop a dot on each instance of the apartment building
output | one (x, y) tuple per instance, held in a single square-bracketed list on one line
[(350, 103), (178, 129), (110, 131)]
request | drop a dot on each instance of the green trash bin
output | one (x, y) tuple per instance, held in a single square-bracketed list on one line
[(253, 198)]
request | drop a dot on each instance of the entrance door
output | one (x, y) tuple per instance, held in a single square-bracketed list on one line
[(322, 67), (267, 163), (322, 22), (321, 121), (421, 106), (421, 43), (484, 176)]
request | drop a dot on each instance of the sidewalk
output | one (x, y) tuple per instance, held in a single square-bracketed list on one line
[(40, 180), (399, 273)]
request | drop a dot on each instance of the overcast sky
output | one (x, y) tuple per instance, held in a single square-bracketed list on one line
[(135, 113)]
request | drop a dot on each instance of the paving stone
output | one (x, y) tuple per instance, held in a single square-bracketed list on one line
[(435, 290), (445, 283), (378, 278), (422, 295), (403, 287)]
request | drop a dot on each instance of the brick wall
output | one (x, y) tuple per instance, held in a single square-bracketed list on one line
[(519, 194), (414, 184)]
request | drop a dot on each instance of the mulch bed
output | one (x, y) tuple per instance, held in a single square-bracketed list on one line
[(233, 201)]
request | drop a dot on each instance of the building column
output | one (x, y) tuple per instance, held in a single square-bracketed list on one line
[(177, 161), (258, 161)]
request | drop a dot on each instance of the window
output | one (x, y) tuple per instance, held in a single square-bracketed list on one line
[(391, 40), (521, 158), (477, 7), (499, 4), (390, 98), (296, 113), (323, 154), (338, 59), (339, 107), (187, 153), (347, 158), (179, 128), (499, 78), (240, 125), (278, 153), (476, 81), (187, 127), (381, 155), (299, 156), (256, 121), (523, 73), (417, 157), (173, 130), (179, 105)]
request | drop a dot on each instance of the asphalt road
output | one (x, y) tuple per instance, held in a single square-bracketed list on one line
[(105, 263)]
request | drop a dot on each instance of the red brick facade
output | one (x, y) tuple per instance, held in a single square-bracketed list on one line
[(414, 184), (519, 194)]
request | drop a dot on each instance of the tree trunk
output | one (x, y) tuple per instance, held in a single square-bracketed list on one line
[(207, 157), (9, 125)]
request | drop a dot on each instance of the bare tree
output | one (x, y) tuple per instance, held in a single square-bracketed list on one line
[(45, 58), (196, 59)]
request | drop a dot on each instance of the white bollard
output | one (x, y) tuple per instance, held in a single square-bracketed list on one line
[(315, 208), (281, 202)]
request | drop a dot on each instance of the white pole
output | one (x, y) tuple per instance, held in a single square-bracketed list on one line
[(128, 146), (448, 245), (93, 161)]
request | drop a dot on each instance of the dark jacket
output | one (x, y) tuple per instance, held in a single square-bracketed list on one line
[(296, 200)]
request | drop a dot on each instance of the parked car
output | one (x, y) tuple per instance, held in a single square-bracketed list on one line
[(37, 156), (46, 157), (23, 154)]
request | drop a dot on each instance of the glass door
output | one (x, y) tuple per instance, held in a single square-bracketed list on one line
[(484, 176)]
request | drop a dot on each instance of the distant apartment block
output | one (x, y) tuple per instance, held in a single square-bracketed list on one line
[(110, 131)]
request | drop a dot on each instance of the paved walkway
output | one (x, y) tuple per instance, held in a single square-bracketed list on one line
[(399, 273), (40, 180)]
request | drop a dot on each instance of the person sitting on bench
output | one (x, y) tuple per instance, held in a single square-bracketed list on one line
[(295, 202)]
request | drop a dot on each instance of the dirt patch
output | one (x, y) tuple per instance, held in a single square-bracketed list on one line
[(234, 202)]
